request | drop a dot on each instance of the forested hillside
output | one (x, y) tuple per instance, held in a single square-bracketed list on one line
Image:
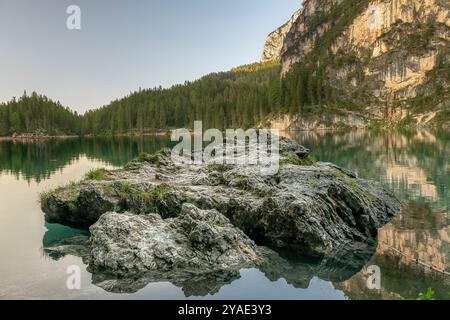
[(37, 113), (238, 98)]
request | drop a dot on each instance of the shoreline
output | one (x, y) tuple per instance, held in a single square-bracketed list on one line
[(168, 132), (37, 139), (46, 138)]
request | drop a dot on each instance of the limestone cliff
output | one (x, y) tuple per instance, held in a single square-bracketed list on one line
[(275, 40), (389, 57)]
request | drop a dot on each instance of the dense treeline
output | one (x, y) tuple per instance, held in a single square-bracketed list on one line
[(221, 100), (37, 113), (240, 98), (305, 86)]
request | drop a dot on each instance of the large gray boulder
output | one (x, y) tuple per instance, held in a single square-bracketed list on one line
[(196, 240)]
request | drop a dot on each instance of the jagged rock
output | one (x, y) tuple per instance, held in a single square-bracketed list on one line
[(79, 206)]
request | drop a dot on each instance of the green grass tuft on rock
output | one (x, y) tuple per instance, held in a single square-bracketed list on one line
[(141, 201), (151, 158), (96, 174), (43, 197), (288, 158), (69, 193)]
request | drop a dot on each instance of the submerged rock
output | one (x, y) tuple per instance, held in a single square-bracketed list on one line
[(155, 215)]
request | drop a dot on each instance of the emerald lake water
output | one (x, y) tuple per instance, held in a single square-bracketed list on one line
[(414, 165)]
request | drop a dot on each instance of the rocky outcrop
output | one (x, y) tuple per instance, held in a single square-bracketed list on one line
[(158, 215), (275, 40)]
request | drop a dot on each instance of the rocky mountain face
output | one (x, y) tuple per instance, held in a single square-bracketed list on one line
[(391, 57), (275, 40)]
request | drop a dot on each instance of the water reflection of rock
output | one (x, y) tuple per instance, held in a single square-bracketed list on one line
[(347, 269), (60, 241), (192, 284), (297, 271), (418, 233)]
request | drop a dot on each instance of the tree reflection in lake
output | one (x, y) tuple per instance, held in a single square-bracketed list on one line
[(39, 160)]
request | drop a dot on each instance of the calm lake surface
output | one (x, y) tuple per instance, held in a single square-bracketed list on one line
[(414, 165)]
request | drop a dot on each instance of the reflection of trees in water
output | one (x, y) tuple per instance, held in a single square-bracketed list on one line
[(415, 165), (39, 160)]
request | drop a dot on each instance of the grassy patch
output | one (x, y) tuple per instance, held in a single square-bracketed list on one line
[(352, 184), (68, 193), (153, 158), (241, 182), (288, 158), (96, 174), (43, 197), (262, 194), (141, 201), (340, 174)]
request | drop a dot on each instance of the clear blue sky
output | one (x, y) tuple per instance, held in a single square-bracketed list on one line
[(127, 44)]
